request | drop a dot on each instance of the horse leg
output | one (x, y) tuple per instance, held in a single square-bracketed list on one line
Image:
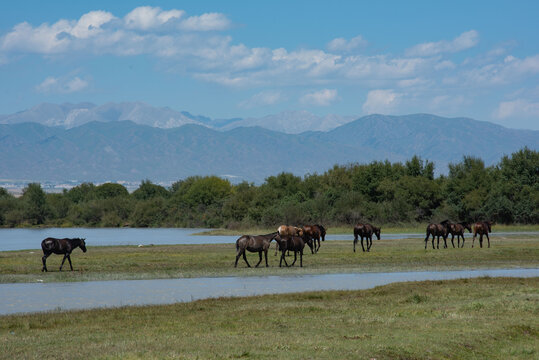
[(481, 240), (362, 244), (260, 258), (369, 243), (426, 240), (44, 260), (266, 257), (488, 239), (283, 258), (355, 242), (301, 258), (69, 259), (452, 237), (437, 242), (445, 241), (245, 258), (473, 239), (64, 259), (295, 257), (313, 248), (462, 240)]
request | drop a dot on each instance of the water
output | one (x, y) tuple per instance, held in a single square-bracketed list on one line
[(27, 239), (36, 297)]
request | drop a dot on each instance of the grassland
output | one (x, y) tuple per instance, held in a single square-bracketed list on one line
[(485, 318), (174, 261), (386, 229)]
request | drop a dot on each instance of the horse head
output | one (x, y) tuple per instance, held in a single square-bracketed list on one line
[(82, 245), (377, 231), (467, 226), (489, 225)]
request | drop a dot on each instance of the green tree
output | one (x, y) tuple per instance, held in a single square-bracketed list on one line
[(147, 190), (35, 203)]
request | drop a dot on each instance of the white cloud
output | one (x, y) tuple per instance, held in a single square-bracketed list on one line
[(90, 24), (263, 98), (510, 70), (206, 22), (517, 108), (464, 41), (61, 85), (147, 17), (323, 97), (381, 101), (343, 45)]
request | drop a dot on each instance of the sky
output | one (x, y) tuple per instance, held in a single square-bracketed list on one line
[(225, 59)]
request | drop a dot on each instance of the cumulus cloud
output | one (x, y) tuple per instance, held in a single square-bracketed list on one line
[(61, 85), (263, 98), (380, 101), (206, 22), (147, 17), (517, 108), (464, 41), (323, 97), (343, 45)]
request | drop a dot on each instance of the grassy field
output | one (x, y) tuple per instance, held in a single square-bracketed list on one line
[(485, 318), (386, 229), (174, 261)]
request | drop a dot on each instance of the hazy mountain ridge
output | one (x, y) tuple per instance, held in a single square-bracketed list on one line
[(123, 150), (73, 115)]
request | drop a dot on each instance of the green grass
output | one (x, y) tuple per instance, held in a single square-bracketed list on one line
[(174, 261), (485, 318), (386, 229)]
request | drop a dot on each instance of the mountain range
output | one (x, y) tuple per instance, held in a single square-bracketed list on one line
[(72, 115), (120, 148)]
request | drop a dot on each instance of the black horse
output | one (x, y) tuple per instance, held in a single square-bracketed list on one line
[(61, 246), (254, 243)]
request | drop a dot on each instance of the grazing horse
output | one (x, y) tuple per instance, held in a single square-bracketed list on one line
[(286, 231), (438, 230), (315, 232), (256, 243), (295, 244), (458, 229), (365, 231), (482, 228), (60, 246)]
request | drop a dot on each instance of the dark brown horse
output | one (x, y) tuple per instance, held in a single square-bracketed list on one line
[(437, 230), (60, 246), (482, 228), (365, 231), (295, 244), (286, 231), (458, 229), (315, 232), (254, 243)]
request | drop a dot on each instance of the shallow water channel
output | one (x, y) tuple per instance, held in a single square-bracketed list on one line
[(21, 298), (27, 239)]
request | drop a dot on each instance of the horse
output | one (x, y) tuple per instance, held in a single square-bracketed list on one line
[(365, 231), (295, 244), (60, 246), (254, 243), (315, 232), (482, 228), (458, 229), (437, 230), (286, 231)]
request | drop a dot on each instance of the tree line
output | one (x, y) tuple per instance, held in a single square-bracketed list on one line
[(380, 192)]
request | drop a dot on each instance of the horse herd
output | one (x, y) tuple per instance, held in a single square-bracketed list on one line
[(292, 238)]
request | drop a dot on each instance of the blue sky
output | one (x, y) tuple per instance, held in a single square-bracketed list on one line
[(251, 58)]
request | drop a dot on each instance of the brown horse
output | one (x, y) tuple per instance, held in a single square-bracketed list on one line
[(295, 244), (286, 231), (60, 246), (254, 243), (365, 231), (482, 228), (437, 230), (315, 232), (458, 229)]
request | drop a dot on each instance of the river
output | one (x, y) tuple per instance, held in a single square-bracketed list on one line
[(36, 297)]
